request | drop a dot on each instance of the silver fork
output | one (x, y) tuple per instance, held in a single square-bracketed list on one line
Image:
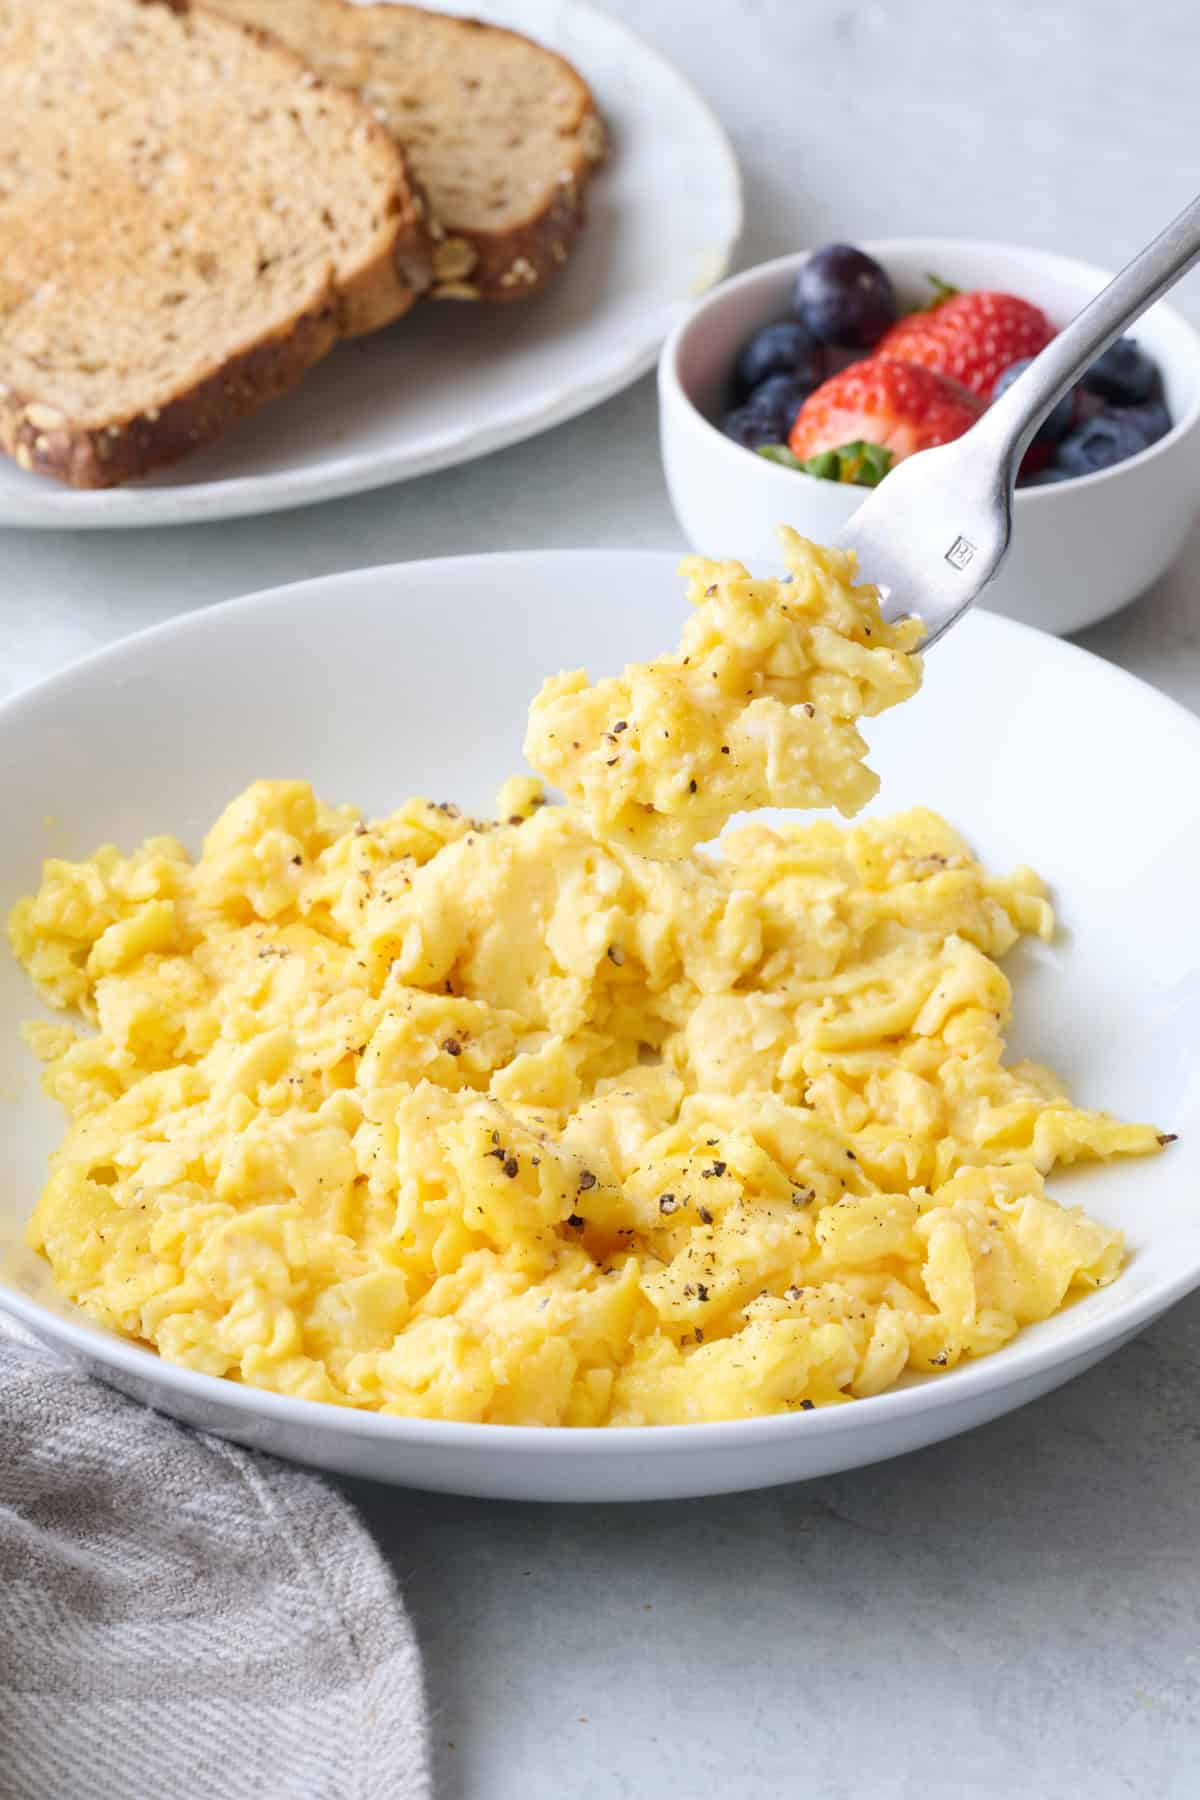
[(933, 534)]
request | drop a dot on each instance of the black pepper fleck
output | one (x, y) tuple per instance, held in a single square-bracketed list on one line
[(667, 1203), (586, 1180), (451, 1046), (575, 1222), (510, 1168)]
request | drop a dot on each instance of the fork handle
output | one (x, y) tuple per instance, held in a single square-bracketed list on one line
[(1012, 419)]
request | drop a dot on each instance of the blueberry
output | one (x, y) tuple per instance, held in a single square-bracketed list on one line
[(1110, 437), (785, 348), (780, 397), (1153, 417), (751, 427), (1060, 420), (1124, 374), (844, 297), (768, 415)]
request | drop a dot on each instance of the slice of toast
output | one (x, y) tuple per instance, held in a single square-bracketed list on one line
[(189, 220), (502, 134)]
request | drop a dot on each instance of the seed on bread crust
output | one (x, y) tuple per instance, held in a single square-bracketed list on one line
[(453, 259), (519, 270), (44, 418)]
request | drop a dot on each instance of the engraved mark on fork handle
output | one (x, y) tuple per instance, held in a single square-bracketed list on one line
[(960, 553)]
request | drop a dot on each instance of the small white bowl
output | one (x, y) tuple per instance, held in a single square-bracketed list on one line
[(1080, 549)]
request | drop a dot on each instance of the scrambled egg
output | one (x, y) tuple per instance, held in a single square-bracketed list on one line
[(756, 708), (508, 1121)]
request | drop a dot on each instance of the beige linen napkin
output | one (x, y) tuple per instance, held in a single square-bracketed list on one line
[(185, 1619)]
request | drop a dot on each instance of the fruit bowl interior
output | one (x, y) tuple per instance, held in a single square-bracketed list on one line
[(1081, 548)]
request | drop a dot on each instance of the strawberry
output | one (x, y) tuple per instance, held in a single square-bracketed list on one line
[(896, 404), (971, 337)]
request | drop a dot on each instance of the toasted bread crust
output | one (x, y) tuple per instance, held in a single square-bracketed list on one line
[(470, 262), (366, 277), (514, 264), (103, 456), (386, 286), (518, 262)]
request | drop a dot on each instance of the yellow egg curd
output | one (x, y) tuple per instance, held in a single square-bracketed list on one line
[(758, 707), (551, 1119)]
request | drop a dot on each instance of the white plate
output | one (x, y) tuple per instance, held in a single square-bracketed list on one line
[(453, 380), (415, 680)]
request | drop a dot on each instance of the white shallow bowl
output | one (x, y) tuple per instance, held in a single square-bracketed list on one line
[(1080, 549), (451, 381), (415, 680)]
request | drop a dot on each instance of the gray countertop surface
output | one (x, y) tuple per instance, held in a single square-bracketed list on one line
[(1014, 1611)]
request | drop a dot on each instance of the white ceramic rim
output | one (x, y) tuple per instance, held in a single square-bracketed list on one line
[(881, 248), (1014, 1363), (60, 509)]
